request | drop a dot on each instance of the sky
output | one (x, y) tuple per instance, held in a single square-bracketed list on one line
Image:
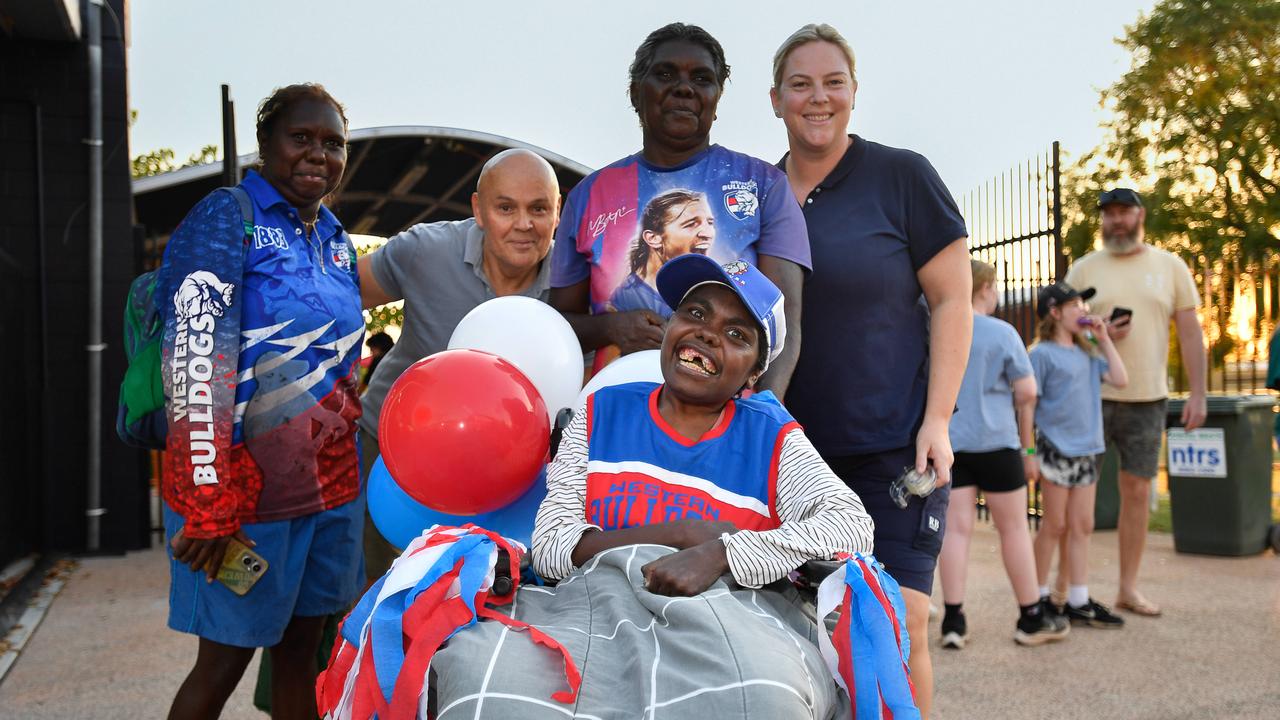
[(975, 87)]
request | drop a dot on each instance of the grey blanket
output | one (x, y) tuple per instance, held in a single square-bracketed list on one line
[(730, 652)]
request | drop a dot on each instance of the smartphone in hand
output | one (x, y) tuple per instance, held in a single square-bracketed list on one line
[(241, 568), (1120, 313)]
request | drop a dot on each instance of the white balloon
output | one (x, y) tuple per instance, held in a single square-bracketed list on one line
[(532, 336), (643, 366)]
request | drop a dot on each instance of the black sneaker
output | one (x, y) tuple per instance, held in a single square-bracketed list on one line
[(1052, 610), (954, 631), (1094, 614), (1044, 628)]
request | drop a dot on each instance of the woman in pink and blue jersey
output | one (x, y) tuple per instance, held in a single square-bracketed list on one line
[(676, 80)]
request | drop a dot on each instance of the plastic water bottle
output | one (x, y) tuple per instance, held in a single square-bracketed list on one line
[(911, 482)]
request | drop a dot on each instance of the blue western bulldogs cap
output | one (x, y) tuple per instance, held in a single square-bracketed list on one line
[(679, 276)]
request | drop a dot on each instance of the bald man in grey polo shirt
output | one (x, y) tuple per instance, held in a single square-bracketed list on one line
[(443, 270)]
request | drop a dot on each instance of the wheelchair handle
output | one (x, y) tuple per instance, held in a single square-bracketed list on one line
[(502, 580), (813, 572)]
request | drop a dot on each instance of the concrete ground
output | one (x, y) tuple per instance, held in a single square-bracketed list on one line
[(1214, 654), (104, 652)]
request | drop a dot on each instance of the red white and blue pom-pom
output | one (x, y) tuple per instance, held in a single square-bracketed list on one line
[(439, 586), (868, 650)]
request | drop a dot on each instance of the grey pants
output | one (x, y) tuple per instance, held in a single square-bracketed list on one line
[(378, 553)]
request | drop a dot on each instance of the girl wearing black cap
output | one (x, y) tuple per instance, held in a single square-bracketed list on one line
[(1073, 357)]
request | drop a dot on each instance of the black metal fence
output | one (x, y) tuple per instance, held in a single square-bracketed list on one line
[(1239, 310), (1015, 223)]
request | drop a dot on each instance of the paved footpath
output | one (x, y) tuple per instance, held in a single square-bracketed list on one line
[(1214, 654), (103, 651)]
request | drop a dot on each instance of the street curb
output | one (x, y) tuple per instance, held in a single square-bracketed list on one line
[(37, 591)]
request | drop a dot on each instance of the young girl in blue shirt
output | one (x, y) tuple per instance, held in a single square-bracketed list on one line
[(1073, 357)]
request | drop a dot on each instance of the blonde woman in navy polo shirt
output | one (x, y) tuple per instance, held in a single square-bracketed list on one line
[(886, 315)]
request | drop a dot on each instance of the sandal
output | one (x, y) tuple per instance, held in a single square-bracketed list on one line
[(1139, 607)]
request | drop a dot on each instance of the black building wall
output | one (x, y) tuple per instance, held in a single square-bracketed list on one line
[(44, 297)]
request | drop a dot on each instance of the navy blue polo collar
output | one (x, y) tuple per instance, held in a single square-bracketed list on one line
[(265, 196), (852, 156)]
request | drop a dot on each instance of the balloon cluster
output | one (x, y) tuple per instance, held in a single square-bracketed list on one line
[(464, 433)]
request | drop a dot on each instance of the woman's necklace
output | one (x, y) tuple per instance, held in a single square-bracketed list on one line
[(310, 227)]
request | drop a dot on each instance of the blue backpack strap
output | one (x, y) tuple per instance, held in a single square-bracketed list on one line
[(246, 211)]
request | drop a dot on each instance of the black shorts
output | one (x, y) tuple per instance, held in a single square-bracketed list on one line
[(995, 471), (906, 541)]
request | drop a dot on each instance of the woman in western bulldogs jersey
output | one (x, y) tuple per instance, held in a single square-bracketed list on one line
[(263, 330), (659, 493), (679, 194)]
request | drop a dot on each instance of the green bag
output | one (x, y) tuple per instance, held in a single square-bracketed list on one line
[(140, 416)]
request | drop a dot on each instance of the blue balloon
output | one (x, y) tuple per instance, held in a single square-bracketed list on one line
[(400, 518)]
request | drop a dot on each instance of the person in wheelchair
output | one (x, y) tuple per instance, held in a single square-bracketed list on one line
[(673, 512)]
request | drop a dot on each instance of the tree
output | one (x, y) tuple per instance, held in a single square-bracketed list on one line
[(162, 161), (1081, 182), (377, 319), (1196, 126)]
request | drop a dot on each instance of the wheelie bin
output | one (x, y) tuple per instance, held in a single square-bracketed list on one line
[(1220, 476)]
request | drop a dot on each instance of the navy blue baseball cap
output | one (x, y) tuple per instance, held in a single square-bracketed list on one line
[(1057, 294), (680, 275), (1119, 196)]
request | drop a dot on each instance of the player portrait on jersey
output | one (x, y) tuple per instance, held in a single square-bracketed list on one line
[(674, 223), (634, 222)]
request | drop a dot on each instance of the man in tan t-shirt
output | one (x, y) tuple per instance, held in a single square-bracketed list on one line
[(1157, 287)]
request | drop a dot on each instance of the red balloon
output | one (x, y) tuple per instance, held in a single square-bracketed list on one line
[(463, 432)]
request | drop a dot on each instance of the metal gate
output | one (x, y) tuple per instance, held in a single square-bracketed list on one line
[(1015, 223)]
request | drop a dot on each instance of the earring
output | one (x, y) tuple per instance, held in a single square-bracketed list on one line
[(777, 113)]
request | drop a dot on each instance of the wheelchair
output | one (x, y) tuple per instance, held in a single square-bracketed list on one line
[(805, 580)]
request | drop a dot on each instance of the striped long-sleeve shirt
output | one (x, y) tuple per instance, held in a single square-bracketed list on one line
[(620, 465)]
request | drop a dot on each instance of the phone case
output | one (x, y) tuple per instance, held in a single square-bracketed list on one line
[(241, 568)]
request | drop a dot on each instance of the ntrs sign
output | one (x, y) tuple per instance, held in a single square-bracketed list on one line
[(1197, 453)]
